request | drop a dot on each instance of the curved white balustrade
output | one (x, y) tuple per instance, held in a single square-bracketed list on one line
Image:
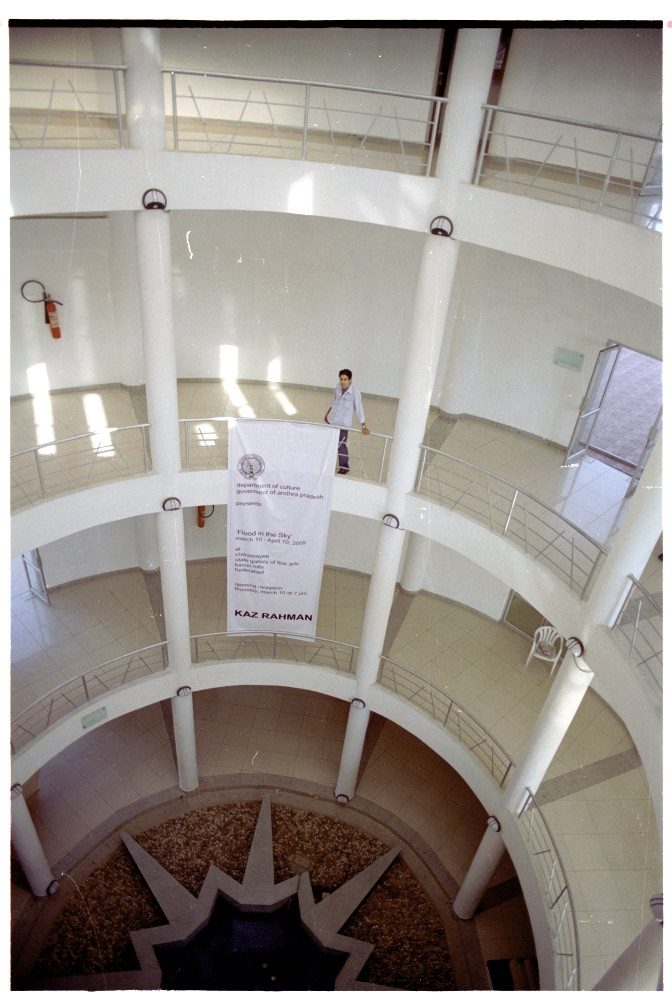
[(118, 674)]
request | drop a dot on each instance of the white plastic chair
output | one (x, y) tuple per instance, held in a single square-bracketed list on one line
[(547, 646)]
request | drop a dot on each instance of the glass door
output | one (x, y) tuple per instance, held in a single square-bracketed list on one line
[(644, 457), (592, 403), (32, 565)]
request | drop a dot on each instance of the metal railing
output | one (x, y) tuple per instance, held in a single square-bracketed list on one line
[(60, 105), (57, 105), (552, 882), (303, 120), (79, 691), (508, 511), (58, 467), (585, 165), (204, 444), (223, 646), (639, 626), (450, 714)]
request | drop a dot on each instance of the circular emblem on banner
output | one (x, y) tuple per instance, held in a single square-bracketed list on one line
[(251, 466)]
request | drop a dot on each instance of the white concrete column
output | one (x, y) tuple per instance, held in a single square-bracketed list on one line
[(185, 739), (28, 848), (568, 690), (470, 78), (353, 746), (378, 604), (173, 570), (152, 231), (482, 868), (564, 699), (640, 966), (143, 84), (416, 562), (147, 544), (426, 339), (631, 547)]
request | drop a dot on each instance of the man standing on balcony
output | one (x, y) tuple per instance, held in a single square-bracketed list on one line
[(346, 401)]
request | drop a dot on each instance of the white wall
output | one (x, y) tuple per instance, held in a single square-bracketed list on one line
[(399, 60), (308, 294), (394, 59), (71, 259), (312, 295), (610, 76), (103, 549), (510, 316), (453, 576)]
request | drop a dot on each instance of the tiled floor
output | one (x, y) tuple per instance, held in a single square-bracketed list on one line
[(597, 799)]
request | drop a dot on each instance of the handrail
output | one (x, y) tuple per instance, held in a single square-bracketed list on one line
[(34, 486), (553, 884), (451, 714), (357, 460), (549, 525), (643, 632), (78, 692), (512, 486), (406, 142), (600, 169), (281, 647), (75, 437), (642, 590), (573, 122), (67, 64), (303, 83)]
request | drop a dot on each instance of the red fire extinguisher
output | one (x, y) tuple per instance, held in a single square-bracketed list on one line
[(28, 289), (51, 317), (201, 515)]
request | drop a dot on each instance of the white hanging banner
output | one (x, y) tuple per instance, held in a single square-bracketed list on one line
[(281, 477)]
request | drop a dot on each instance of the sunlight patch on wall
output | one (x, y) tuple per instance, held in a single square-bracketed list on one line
[(38, 386), (228, 372), (274, 378)]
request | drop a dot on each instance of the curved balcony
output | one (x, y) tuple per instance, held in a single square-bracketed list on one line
[(590, 166), (76, 462), (545, 535), (459, 654), (77, 694)]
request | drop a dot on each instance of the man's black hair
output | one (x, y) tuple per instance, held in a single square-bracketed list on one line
[(346, 371)]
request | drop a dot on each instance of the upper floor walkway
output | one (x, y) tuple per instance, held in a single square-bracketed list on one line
[(515, 484), (558, 519), (315, 148), (591, 166)]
